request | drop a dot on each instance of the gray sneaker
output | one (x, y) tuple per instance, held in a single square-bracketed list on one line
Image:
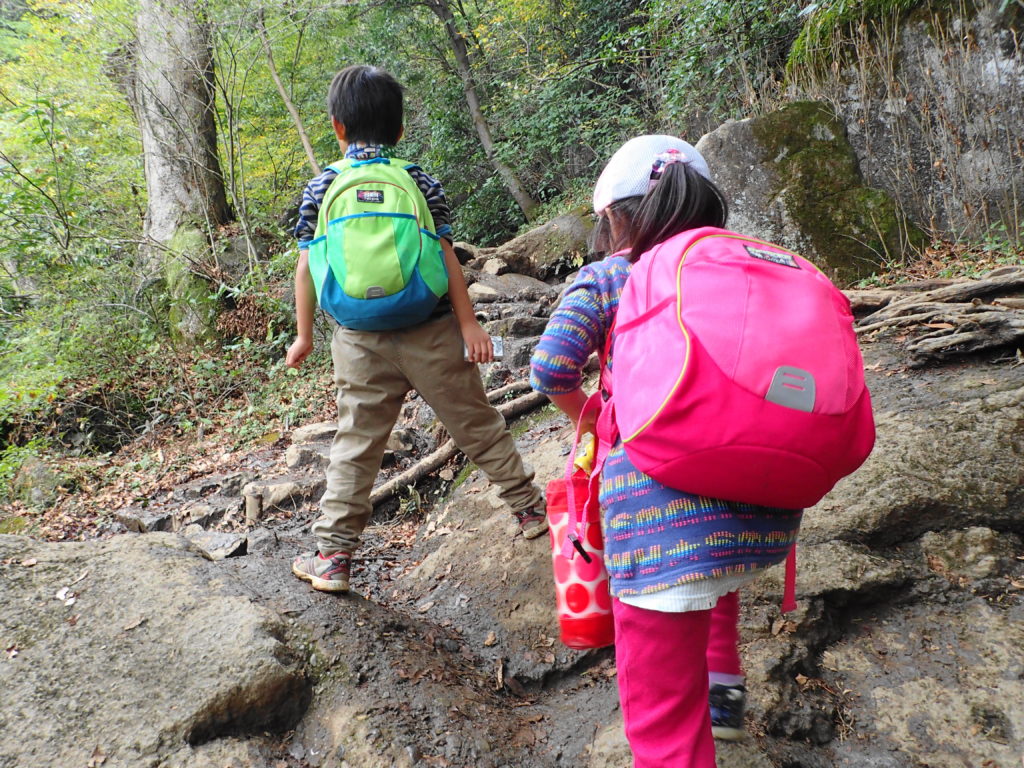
[(532, 522), (327, 574), (727, 705)]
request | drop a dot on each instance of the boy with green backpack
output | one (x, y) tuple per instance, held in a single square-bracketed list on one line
[(375, 251)]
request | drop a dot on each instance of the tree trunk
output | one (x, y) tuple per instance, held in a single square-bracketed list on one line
[(173, 98), (463, 65), (261, 29)]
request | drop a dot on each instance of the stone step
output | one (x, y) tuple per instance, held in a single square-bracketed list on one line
[(281, 493)]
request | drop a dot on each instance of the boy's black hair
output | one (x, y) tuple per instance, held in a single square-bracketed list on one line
[(368, 102), (682, 199)]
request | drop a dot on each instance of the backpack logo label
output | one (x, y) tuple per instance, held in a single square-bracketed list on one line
[(774, 257), (370, 195)]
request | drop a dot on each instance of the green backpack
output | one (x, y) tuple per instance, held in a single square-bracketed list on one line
[(376, 259)]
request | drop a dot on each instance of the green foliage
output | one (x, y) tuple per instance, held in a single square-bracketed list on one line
[(12, 458), (975, 259), (713, 60), (819, 40)]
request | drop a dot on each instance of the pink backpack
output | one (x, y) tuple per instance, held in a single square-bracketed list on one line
[(736, 372)]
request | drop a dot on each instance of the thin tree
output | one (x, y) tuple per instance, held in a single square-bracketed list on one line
[(261, 30), (464, 67)]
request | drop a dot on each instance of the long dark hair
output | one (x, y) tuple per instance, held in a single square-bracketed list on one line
[(681, 199)]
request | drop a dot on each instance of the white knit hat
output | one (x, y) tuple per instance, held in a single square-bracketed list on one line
[(628, 173)]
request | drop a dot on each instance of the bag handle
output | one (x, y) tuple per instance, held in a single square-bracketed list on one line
[(600, 404), (576, 528)]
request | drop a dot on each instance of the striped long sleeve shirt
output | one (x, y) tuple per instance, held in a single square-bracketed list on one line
[(664, 548)]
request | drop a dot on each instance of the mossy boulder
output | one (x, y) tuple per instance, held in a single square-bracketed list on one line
[(553, 248), (930, 94), (791, 177)]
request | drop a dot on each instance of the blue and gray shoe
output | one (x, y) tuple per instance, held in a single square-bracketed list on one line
[(727, 705)]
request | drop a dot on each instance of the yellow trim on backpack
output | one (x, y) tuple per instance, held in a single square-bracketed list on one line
[(679, 319)]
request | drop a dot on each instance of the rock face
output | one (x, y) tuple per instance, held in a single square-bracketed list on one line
[(126, 652), (933, 108), (791, 177)]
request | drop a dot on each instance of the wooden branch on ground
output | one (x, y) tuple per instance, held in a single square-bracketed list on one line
[(919, 314), (989, 327), (509, 389), (872, 299), (862, 301), (1002, 282), (440, 457), (522, 405), (1010, 302), (415, 473), (957, 319)]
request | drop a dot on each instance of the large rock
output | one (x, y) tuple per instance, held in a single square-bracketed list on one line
[(132, 649), (925, 475), (557, 246), (489, 288), (791, 178)]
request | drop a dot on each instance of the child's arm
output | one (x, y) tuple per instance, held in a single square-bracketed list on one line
[(571, 404), (577, 328), (305, 308), (477, 341)]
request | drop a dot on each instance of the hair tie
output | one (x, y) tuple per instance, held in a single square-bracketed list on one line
[(662, 161)]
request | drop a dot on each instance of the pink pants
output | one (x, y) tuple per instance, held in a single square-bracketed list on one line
[(663, 661)]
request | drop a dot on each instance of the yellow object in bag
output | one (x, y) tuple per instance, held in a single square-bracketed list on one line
[(586, 451)]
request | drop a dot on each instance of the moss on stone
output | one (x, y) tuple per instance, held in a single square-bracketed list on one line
[(463, 475), (13, 525), (819, 41), (192, 307), (797, 125), (854, 229)]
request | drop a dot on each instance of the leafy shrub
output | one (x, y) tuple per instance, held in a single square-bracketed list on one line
[(11, 460)]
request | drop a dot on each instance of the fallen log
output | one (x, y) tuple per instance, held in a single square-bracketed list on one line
[(919, 314), (957, 319), (998, 284), (975, 332), (440, 457), (509, 389), (862, 300)]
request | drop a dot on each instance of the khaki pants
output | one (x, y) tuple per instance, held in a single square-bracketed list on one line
[(374, 370)]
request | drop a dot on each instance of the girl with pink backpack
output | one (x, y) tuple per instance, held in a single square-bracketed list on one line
[(675, 559)]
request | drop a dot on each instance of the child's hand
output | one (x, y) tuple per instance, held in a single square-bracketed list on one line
[(298, 351), (588, 423), (478, 343)]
